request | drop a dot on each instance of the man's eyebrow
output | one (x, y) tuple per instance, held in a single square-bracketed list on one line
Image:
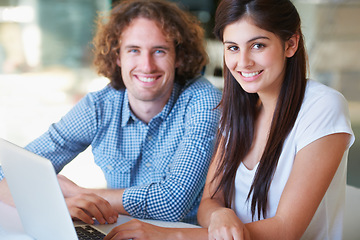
[(154, 47), (249, 41), (162, 47), (132, 46)]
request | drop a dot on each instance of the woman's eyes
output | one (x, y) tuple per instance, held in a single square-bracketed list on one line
[(234, 48), (258, 46)]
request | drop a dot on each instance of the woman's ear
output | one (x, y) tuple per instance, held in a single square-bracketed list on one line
[(118, 61), (291, 45)]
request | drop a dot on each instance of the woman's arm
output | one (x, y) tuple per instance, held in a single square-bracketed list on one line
[(136, 229), (208, 203), (222, 222), (313, 170)]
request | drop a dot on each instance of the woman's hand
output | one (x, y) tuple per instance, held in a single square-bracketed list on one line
[(225, 225), (136, 229)]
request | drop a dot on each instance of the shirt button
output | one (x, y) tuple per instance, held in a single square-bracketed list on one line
[(148, 165), (109, 167), (149, 138)]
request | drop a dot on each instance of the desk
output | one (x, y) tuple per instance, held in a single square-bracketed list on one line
[(11, 227)]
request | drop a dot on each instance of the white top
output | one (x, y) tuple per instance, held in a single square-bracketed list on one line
[(324, 111)]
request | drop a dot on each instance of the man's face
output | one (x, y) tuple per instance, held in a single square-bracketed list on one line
[(147, 61)]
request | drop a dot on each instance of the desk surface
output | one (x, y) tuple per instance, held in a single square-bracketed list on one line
[(11, 227)]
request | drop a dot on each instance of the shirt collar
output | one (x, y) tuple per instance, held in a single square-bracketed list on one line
[(128, 117), (126, 112)]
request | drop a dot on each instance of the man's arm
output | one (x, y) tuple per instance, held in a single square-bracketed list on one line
[(172, 198), (86, 204), (114, 196), (60, 144)]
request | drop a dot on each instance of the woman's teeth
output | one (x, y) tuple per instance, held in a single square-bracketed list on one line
[(250, 74)]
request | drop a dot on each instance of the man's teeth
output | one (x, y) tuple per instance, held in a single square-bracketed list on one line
[(250, 74), (147, 79)]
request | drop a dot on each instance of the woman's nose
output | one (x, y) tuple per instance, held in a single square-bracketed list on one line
[(245, 60)]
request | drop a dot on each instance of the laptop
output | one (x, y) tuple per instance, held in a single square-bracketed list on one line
[(38, 198)]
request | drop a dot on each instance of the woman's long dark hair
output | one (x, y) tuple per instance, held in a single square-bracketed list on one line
[(240, 109)]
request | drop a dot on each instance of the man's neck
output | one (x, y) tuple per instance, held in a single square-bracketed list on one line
[(147, 110)]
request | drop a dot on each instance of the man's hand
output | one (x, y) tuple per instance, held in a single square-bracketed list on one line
[(68, 187), (84, 205), (5, 195), (87, 206)]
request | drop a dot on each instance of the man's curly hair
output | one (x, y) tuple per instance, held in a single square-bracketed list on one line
[(178, 25)]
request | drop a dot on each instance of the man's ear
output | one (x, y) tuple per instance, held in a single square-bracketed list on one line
[(118, 61), (177, 63), (292, 45)]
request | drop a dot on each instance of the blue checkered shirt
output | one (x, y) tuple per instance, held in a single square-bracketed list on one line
[(162, 165)]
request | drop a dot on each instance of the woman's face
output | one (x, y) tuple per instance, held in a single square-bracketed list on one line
[(255, 57)]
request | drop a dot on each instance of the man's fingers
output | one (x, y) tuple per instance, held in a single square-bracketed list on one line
[(79, 214), (92, 205), (102, 209), (87, 206)]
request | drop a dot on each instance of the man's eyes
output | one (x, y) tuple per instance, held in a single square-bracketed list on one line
[(157, 52), (133, 50), (160, 51)]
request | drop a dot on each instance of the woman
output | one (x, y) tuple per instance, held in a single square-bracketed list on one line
[(279, 171)]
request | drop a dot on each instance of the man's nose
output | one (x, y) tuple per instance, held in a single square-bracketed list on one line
[(147, 62)]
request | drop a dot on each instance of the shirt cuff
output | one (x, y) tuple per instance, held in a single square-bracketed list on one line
[(134, 201), (1, 174)]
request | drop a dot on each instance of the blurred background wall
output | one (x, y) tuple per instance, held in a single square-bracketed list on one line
[(46, 64)]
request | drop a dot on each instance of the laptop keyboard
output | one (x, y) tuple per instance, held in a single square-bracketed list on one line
[(88, 233)]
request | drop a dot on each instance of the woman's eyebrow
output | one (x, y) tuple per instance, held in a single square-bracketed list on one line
[(251, 40), (257, 38)]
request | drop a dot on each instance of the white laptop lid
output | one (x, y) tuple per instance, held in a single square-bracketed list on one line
[(36, 192)]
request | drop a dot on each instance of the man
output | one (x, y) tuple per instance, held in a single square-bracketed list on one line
[(151, 129)]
